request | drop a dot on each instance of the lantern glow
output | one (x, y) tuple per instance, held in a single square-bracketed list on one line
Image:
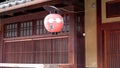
[(53, 22)]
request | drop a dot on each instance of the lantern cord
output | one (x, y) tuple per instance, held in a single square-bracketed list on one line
[(70, 11), (51, 9)]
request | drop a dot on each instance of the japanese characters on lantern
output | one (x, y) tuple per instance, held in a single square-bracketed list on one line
[(53, 22)]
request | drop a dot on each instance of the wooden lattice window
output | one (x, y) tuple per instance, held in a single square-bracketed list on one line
[(79, 23), (26, 28), (40, 29), (66, 26), (11, 30)]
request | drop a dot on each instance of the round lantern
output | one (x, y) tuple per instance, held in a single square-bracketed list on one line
[(53, 22)]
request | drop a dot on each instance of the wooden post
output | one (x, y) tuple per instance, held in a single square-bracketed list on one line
[(0, 41), (73, 39)]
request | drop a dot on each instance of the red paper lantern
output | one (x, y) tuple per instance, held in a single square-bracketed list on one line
[(53, 22)]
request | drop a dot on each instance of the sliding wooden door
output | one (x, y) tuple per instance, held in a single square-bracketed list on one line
[(112, 49)]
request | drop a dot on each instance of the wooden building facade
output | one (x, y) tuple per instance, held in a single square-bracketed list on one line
[(108, 28), (24, 38)]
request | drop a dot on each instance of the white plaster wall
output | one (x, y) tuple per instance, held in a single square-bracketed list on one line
[(90, 31)]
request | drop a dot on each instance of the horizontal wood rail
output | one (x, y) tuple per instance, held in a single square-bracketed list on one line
[(33, 38)]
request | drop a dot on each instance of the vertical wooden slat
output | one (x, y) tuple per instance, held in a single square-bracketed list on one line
[(80, 40), (73, 39)]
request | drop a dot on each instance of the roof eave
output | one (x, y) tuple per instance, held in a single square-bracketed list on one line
[(22, 5)]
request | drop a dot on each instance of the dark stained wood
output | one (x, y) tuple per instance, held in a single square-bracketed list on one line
[(26, 17), (113, 9), (77, 40), (73, 2), (109, 44), (1, 42), (108, 51), (111, 26), (111, 48), (99, 36), (73, 38), (47, 51), (0, 47), (80, 40)]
